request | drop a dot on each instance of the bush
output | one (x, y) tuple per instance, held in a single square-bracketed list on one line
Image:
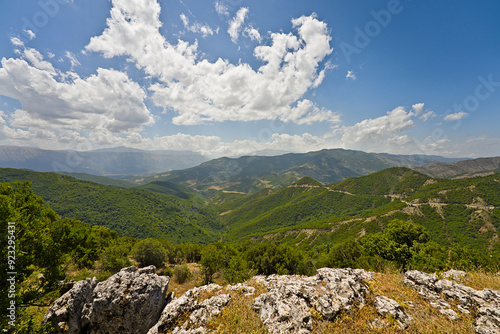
[(237, 270), (115, 258), (149, 252), (182, 273)]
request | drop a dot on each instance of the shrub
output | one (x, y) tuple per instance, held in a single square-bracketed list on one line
[(149, 252), (115, 258), (182, 273)]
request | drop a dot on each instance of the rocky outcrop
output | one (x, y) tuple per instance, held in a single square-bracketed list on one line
[(389, 307), (290, 301), (201, 313), (133, 301), (66, 312), (441, 294), (130, 301)]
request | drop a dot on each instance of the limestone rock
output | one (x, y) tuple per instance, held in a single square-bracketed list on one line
[(243, 288), (455, 275), (389, 307), (286, 307), (201, 313), (485, 304), (172, 312), (128, 302), (66, 312)]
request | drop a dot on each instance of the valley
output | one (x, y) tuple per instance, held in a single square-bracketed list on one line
[(263, 216)]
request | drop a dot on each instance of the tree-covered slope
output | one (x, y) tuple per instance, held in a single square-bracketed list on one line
[(397, 180), (464, 212), (251, 173), (138, 213)]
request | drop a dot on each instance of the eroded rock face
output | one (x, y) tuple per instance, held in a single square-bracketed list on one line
[(130, 301), (287, 305), (66, 312), (201, 313), (485, 304), (389, 307)]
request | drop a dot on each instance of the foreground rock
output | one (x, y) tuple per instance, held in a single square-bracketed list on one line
[(133, 301), (201, 313), (441, 294), (287, 307), (389, 307), (66, 312), (130, 301)]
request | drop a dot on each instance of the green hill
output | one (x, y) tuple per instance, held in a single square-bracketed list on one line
[(397, 180), (249, 174), (139, 213), (107, 181), (170, 188), (464, 212)]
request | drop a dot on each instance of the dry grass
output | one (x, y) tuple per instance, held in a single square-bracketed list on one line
[(239, 316), (481, 280), (180, 289), (426, 319)]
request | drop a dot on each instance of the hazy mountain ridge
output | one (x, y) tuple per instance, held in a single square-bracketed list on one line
[(111, 162), (465, 168), (249, 174)]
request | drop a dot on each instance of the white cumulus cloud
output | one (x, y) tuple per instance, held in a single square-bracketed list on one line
[(197, 28), (253, 34), (236, 24), (378, 134), (107, 101), (456, 116), (221, 9), (198, 90)]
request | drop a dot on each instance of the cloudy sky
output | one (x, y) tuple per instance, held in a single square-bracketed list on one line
[(234, 77)]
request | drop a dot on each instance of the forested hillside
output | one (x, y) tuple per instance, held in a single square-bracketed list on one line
[(251, 173), (172, 213), (395, 219), (464, 212)]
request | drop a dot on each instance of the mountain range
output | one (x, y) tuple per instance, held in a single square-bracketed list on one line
[(464, 211), (114, 162), (314, 198), (249, 174), (461, 169)]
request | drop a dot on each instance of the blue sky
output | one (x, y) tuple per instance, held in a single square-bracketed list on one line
[(235, 77)]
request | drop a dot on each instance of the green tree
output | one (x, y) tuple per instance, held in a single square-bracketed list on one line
[(267, 259), (115, 257), (149, 252), (39, 238), (345, 255), (237, 270), (211, 261), (396, 243)]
